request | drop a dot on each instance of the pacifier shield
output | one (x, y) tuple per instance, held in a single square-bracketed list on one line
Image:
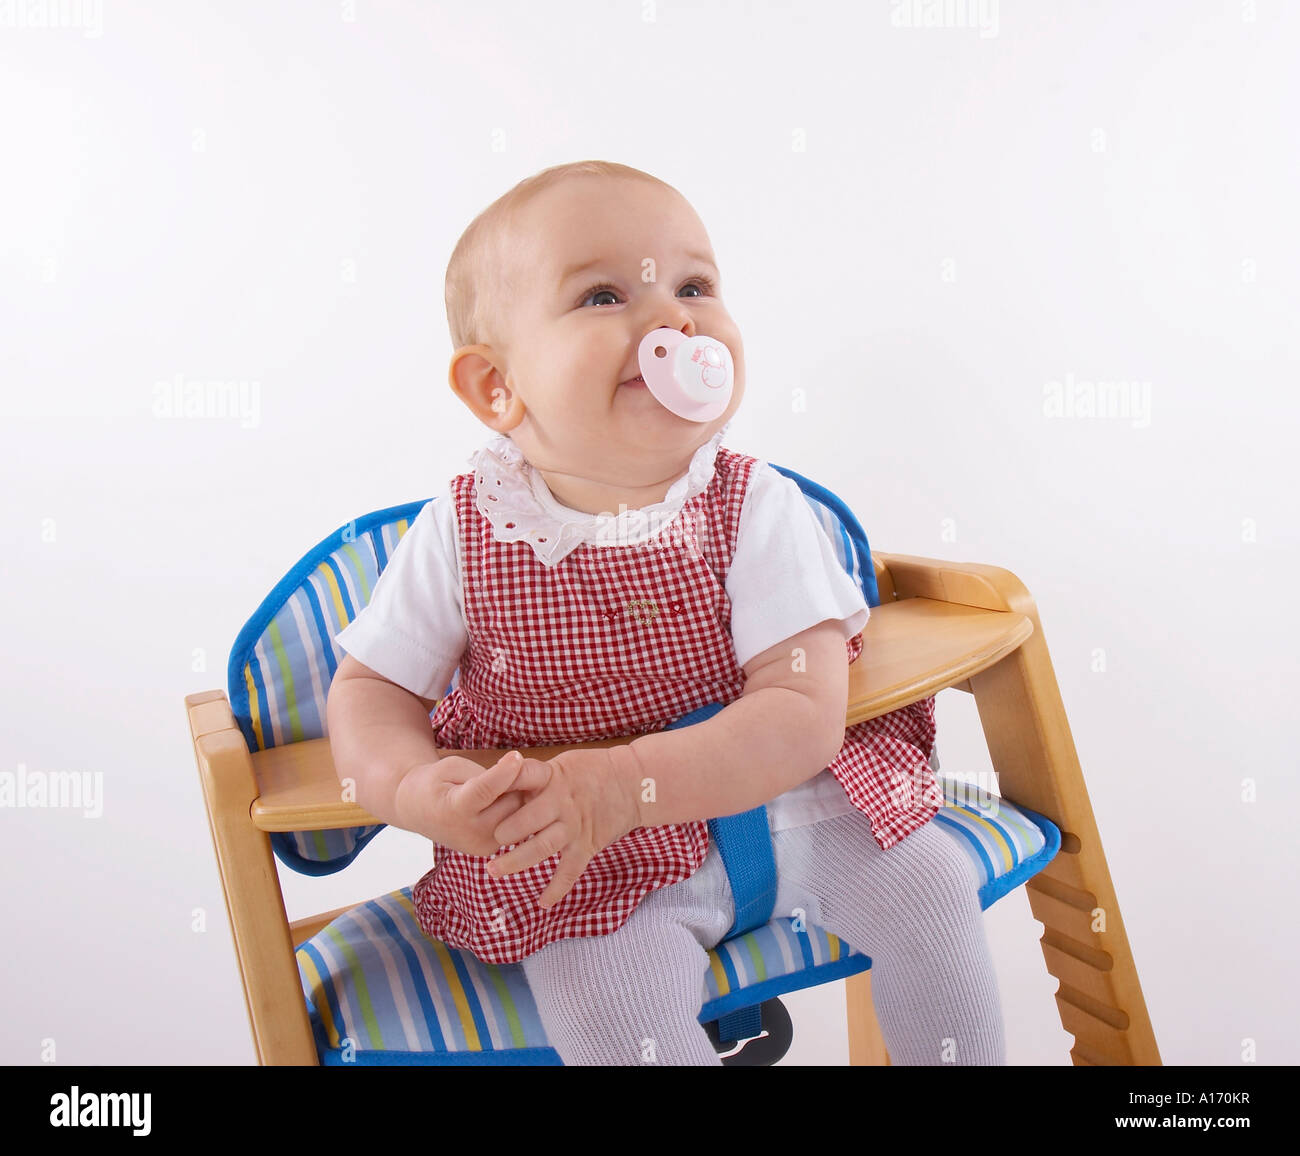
[(689, 376)]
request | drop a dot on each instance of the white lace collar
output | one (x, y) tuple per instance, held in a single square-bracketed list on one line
[(517, 502)]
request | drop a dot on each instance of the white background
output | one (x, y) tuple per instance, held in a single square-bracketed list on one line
[(269, 193)]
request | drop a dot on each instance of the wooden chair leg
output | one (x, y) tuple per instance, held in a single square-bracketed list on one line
[(866, 1044), (259, 924), (1084, 943)]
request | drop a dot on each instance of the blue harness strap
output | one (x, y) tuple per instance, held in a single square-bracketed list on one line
[(745, 844)]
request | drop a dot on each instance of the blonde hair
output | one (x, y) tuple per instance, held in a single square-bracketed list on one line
[(479, 270)]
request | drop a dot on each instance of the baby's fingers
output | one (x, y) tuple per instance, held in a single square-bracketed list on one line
[(539, 847), (531, 775), (540, 811), (498, 812), (572, 864), (477, 794)]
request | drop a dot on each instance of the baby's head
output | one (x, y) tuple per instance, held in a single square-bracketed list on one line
[(549, 293)]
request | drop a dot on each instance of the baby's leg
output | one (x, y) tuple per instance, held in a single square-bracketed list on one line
[(634, 997), (915, 910)]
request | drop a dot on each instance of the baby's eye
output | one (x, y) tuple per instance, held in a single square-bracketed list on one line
[(704, 286), (701, 284), (599, 291)]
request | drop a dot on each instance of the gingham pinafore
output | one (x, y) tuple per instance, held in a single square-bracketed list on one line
[(615, 641)]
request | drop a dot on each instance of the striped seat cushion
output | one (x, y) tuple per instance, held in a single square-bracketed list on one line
[(379, 991), (285, 657)]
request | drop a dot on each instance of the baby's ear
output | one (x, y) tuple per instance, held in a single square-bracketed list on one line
[(477, 377)]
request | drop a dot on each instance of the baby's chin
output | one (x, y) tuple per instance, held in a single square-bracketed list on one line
[(648, 437)]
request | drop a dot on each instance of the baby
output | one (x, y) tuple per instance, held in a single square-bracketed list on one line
[(605, 568)]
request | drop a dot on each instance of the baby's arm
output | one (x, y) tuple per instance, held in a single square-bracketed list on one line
[(380, 738), (787, 725), (377, 732)]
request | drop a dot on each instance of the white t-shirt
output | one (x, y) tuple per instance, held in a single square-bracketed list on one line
[(784, 578)]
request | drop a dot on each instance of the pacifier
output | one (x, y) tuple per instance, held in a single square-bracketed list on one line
[(689, 376)]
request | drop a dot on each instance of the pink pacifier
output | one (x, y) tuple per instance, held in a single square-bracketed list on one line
[(689, 376)]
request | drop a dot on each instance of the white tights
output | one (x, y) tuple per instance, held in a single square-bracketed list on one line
[(634, 997)]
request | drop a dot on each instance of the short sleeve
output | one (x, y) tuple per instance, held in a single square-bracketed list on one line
[(785, 576), (413, 629)]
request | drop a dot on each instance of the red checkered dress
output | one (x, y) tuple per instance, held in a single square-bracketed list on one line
[(617, 640)]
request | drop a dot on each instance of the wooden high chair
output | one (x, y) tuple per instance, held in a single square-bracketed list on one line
[(935, 625)]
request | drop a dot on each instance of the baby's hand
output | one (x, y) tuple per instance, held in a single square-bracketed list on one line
[(582, 810), (458, 804)]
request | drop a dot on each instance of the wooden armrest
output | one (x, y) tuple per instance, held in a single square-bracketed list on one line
[(300, 791), (904, 576), (915, 648), (911, 650)]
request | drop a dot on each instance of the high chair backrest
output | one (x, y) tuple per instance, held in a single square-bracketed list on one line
[(284, 658)]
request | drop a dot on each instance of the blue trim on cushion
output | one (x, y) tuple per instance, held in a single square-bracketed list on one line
[(255, 627), (519, 1057), (849, 524), (992, 891), (287, 852), (745, 843)]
